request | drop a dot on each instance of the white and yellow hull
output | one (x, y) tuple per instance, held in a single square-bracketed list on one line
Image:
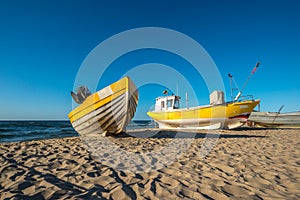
[(107, 111), (227, 116)]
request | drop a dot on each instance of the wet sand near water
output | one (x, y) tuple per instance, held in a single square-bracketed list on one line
[(247, 164)]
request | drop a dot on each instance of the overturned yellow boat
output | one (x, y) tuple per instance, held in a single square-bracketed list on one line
[(107, 111), (217, 115)]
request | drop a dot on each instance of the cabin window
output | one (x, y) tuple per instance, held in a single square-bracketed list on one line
[(176, 104), (162, 104), (170, 103)]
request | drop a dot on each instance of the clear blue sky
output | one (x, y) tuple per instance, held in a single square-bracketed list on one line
[(43, 44)]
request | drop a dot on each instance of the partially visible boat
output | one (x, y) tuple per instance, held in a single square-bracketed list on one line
[(107, 111), (275, 119), (216, 115)]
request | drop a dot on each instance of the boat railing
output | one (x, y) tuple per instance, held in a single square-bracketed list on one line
[(246, 98)]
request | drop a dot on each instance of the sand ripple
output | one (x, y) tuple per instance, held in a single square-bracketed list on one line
[(245, 164)]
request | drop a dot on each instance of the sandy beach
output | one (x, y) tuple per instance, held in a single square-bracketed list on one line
[(247, 164)]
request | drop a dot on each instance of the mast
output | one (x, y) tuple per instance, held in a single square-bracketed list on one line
[(246, 82), (233, 89), (187, 100)]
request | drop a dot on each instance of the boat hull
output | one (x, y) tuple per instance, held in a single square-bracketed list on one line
[(227, 116), (276, 120), (107, 111)]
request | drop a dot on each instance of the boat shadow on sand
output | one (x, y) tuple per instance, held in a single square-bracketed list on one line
[(63, 188), (159, 134)]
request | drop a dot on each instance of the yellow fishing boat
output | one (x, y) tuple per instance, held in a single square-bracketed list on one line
[(107, 111), (216, 115)]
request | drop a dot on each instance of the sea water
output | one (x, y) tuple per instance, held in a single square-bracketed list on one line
[(14, 131)]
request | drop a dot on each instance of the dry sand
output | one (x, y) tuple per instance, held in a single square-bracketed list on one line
[(247, 164)]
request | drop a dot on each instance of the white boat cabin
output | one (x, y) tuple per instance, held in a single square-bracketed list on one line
[(167, 103)]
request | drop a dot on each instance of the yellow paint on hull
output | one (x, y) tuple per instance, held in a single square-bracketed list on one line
[(95, 100), (203, 114)]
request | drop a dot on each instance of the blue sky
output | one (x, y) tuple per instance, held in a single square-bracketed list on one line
[(43, 44)]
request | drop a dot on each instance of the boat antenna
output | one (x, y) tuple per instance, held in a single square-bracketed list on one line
[(187, 100), (246, 82), (232, 89)]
